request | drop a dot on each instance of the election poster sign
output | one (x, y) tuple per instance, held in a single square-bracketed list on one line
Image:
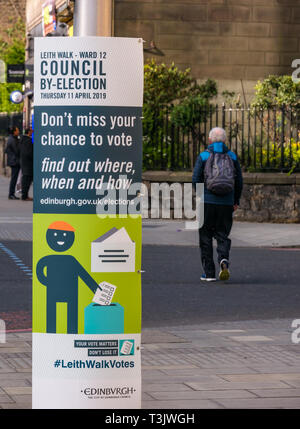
[(88, 95)]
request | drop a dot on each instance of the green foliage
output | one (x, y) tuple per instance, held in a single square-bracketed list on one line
[(193, 110), (280, 95), (164, 85), (272, 156), (12, 52), (276, 91), (230, 97), (195, 107), (6, 106), (291, 154), (171, 97)]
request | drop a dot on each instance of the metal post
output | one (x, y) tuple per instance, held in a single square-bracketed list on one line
[(282, 137), (93, 18)]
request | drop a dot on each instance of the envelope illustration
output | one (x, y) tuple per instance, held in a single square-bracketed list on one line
[(113, 252)]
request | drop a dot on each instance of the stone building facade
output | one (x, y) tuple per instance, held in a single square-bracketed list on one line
[(235, 42)]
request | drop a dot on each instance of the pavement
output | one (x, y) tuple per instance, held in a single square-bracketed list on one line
[(233, 364)]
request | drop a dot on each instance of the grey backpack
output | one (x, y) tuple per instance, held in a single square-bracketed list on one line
[(219, 173)]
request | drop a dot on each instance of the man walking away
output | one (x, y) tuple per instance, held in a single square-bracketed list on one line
[(12, 151), (26, 151), (218, 168)]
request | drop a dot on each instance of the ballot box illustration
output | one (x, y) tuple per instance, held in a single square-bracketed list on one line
[(114, 251), (104, 319), (103, 316)]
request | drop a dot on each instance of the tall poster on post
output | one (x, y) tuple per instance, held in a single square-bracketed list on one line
[(88, 95)]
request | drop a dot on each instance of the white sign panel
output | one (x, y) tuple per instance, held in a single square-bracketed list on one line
[(90, 71), (88, 95)]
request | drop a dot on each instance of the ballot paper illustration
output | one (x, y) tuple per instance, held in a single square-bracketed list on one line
[(104, 295), (126, 348), (113, 252)]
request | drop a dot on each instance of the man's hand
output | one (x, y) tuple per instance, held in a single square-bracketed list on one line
[(235, 207)]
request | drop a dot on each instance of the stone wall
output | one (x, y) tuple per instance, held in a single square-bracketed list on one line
[(267, 197), (235, 42), (270, 198)]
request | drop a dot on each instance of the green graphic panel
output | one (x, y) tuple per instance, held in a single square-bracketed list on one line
[(90, 235)]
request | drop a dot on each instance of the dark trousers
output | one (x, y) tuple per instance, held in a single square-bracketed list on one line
[(13, 180), (217, 224), (26, 182)]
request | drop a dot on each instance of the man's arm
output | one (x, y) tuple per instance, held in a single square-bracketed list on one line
[(40, 271), (88, 280), (198, 172), (8, 148)]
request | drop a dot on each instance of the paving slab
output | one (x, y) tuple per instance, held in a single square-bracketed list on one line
[(23, 399), (171, 379), (207, 394), (225, 331), (24, 370), (18, 390), (12, 350), (15, 405), (172, 387), (4, 399), (261, 377), (276, 393), (151, 373), (146, 397), (280, 369), (223, 385), (13, 382), (160, 336), (193, 404), (184, 371), (293, 383), (163, 366), (260, 403), (200, 371), (254, 338)]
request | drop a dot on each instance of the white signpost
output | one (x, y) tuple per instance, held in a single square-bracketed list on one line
[(88, 95)]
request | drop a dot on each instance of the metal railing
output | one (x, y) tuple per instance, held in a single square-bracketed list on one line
[(264, 140)]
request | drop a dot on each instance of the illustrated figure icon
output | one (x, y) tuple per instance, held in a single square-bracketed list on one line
[(60, 274)]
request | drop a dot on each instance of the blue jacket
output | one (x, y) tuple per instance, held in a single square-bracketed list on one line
[(198, 176)]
